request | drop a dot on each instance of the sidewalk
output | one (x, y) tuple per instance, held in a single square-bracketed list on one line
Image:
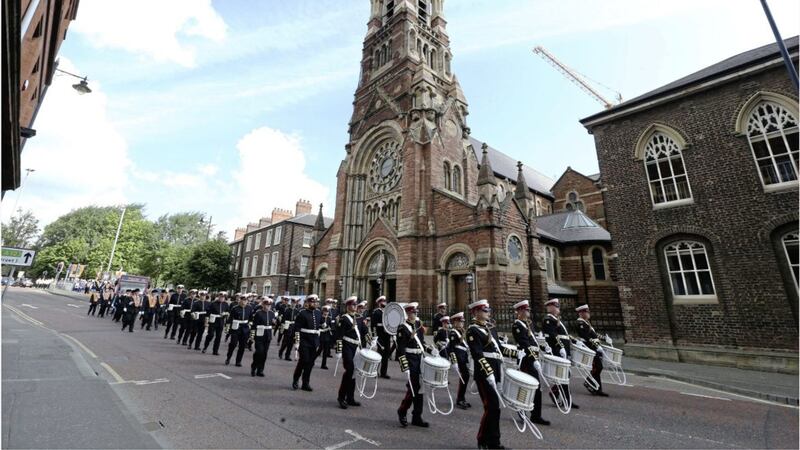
[(776, 387), (80, 296)]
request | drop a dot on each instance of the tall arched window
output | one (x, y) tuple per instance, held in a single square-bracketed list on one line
[(551, 263), (666, 172), (791, 246), (447, 174), (772, 134), (689, 271), (598, 263), (457, 179)]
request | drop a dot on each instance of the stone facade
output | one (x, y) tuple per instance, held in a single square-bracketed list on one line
[(574, 190), (746, 313)]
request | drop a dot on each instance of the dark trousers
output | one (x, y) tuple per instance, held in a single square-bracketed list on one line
[(597, 369), (260, 355), (305, 363), (385, 349), (286, 345), (197, 334), (92, 308), (463, 370), (147, 320), (118, 313), (102, 312), (527, 367), (189, 330), (128, 320), (238, 339), (325, 351), (214, 332), (347, 388), (489, 431), (172, 325), (415, 399)]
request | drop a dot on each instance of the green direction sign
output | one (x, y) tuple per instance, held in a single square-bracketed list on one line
[(17, 256)]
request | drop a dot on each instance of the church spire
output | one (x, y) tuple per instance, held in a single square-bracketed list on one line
[(319, 225), (486, 174), (521, 192)]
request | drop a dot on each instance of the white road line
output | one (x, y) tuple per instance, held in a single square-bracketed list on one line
[(74, 306), (212, 375), (706, 396), (362, 438), (143, 382), (24, 316), (80, 344), (29, 306), (113, 373)]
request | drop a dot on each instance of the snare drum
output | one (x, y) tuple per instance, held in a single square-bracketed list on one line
[(367, 362), (612, 355), (434, 371), (555, 369), (519, 389), (582, 356)]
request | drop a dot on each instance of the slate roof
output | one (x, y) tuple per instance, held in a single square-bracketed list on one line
[(310, 220), (724, 67), (594, 177), (506, 167), (558, 290), (571, 227)]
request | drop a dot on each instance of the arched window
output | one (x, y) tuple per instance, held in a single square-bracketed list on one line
[(689, 271), (551, 263), (447, 64), (426, 54), (447, 180), (599, 263), (570, 207), (434, 63), (419, 49), (772, 134), (573, 197), (666, 172), (457, 179), (791, 246), (267, 288)]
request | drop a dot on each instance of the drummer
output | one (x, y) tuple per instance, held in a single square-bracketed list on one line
[(459, 354), (384, 338), (523, 336), (592, 340), (485, 352), (441, 335), (410, 340), (558, 339), (349, 339)]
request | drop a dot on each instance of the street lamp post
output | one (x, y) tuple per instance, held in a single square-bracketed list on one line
[(82, 86), (116, 238), (470, 279), (21, 185)]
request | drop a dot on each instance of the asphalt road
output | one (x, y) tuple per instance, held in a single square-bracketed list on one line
[(154, 392)]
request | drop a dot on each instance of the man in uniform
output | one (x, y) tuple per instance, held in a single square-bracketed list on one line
[(172, 311), (347, 344), (217, 315), (384, 338), (410, 346), (441, 311), (177, 299), (186, 317), (263, 321), (241, 314), (325, 336), (558, 339), (334, 314), (306, 328), (279, 309), (120, 300), (287, 325), (198, 325), (485, 351), (523, 336), (592, 340), (131, 310), (459, 354), (441, 336), (150, 306)]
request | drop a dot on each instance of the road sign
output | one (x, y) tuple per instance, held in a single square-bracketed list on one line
[(17, 256)]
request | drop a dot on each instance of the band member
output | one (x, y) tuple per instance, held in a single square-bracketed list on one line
[(306, 340), (287, 325), (234, 302), (120, 300), (459, 354), (558, 339), (362, 319), (441, 311), (384, 338), (240, 313), (130, 310), (325, 336), (174, 317), (441, 335), (485, 352), (523, 336), (410, 338), (185, 317), (263, 321), (347, 344), (280, 308), (150, 305), (104, 302), (592, 340), (93, 302), (198, 325), (217, 315), (334, 313)]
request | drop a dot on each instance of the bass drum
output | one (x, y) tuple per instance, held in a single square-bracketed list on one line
[(394, 314)]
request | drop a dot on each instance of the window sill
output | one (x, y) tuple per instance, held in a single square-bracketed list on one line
[(695, 300), (781, 187), (673, 204)]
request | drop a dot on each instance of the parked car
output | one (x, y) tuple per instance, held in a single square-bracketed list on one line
[(27, 282)]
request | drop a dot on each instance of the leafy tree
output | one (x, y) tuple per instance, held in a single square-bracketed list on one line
[(208, 266), (21, 230), (186, 228)]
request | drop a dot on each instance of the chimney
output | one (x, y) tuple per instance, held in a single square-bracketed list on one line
[(279, 215), (239, 234), (264, 221), (302, 207), (251, 226)]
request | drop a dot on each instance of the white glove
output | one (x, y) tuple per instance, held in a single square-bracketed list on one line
[(562, 352), (537, 366), (608, 339), (520, 356), (548, 349), (599, 351), (374, 342), (492, 381)]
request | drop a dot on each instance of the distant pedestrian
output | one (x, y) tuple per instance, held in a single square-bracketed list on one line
[(92, 304)]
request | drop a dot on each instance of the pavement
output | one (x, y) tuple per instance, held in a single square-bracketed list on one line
[(184, 399)]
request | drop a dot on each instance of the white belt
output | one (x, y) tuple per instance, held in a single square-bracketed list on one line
[(563, 336), (184, 311), (213, 318), (492, 355), (225, 314), (414, 351), (461, 347), (170, 307), (309, 331), (199, 313), (264, 327), (379, 325), (351, 340)]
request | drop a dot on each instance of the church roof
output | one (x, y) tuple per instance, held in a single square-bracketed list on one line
[(571, 227), (309, 219), (506, 167)]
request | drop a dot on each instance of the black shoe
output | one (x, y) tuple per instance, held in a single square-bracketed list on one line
[(215, 354), (204, 350), (540, 421), (294, 385), (238, 364), (259, 374), (198, 349), (307, 389), (461, 404), (386, 377), (402, 417), (418, 422), (228, 362), (252, 371), (324, 367), (353, 403), (342, 404), (574, 406)]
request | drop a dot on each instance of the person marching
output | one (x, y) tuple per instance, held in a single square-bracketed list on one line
[(130, 310), (485, 352), (234, 302), (104, 302), (199, 309), (173, 317), (279, 309), (217, 315), (93, 301), (410, 346), (334, 314), (559, 341), (441, 311), (592, 340), (325, 336), (442, 335), (120, 300), (287, 325), (185, 318), (263, 321), (240, 313), (384, 338), (150, 305), (306, 340), (347, 343), (362, 319), (459, 355), (523, 336)]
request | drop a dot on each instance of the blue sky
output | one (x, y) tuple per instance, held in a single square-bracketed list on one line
[(236, 107)]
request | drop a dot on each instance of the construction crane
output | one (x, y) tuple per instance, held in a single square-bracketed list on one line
[(577, 78)]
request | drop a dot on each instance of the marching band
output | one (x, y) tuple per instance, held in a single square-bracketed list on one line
[(504, 375)]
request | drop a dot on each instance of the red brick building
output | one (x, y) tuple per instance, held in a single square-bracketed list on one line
[(701, 192)]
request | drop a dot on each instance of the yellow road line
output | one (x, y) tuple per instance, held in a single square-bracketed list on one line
[(113, 373), (80, 344)]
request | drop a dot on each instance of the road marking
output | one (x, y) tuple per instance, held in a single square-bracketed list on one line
[(752, 399), (29, 306), (212, 375), (113, 373), (356, 437), (706, 396), (143, 382), (80, 344), (74, 306), (24, 316)]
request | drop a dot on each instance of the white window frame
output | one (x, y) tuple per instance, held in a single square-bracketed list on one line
[(307, 237), (257, 243), (267, 289), (243, 288), (694, 248), (794, 238), (276, 237), (551, 262), (238, 249), (265, 264), (254, 267), (249, 243), (651, 151), (304, 260), (273, 263), (268, 240), (757, 133), (246, 266)]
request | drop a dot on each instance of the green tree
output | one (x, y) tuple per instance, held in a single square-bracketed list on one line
[(186, 228), (208, 266), (21, 230)]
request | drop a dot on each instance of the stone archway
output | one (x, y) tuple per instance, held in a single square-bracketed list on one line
[(458, 289), (376, 274)]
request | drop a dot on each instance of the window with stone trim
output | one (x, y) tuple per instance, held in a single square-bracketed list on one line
[(599, 270), (268, 240), (689, 270), (273, 263), (246, 266), (514, 249), (249, 243), (457, 179), (772, 133), (307, 236), (303, 265), (276, 239), (573, 202), (265, 265), (257, 243), (791, 248), (666, 171), (254, 268), (267, 288), (447, 176), (551, 263)]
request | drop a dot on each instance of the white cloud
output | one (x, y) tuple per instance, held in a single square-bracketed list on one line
[(208, 169), (157, 29), (79, 156)]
